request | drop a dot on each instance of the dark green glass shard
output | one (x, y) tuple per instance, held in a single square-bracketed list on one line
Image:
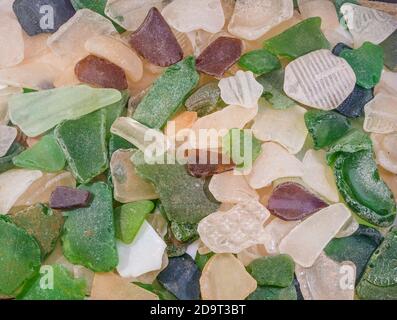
[(326, 127), (89, 234), (274, 293), (358, 181)]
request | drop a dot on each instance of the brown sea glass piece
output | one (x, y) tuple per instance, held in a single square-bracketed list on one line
[(100, 72), (219, 56), (290, 201), (64, 198), (203, 163), (155, 41)]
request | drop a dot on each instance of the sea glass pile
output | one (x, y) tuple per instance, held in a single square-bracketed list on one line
[(198, 149)]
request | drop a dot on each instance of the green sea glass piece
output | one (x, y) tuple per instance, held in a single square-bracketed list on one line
[(274, 293), (38, 112), (62, 287), (183, 197), (357, 179), (390, 51), (298, 40), (117, 142), (355, 140), (205, 100), (83, 142), (236, 142), (273, 91), (326, 127), (28, 90), (201, 260), (6, 162), (19, 257), (357, 248), (367, 63), (167, 94), (97, 6), (89, 235), (379, 281), (42, 223), (175, 248), (276, 271), (259, 61), (129, 219), (184, 232), (114, 111), (46, 155), (157, 289)]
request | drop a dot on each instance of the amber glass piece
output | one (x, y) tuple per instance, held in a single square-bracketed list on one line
[(219, 56), (155, 41), (203, 163), (101, 73)]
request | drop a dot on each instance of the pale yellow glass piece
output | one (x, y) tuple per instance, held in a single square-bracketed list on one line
[(274, 163), (68, 42), (324, 9), (319, 176), (308, 239), (224, 278), (275, 231), (191, 15), (140, 136), (381, 114), (40, 191), (327, 279), (11, 42), (316, 87), (241, 90), (110, 286), (286, 127), (252, 253), (128, 186), (13, 183), (234, 230), (229, 187), (385, 147), (117, 52), (253, 18), (207, 132)]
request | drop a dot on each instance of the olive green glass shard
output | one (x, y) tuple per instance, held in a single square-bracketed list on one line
[(167, 94), (357, 248), (19, 257), (326, 127), (273, 92), (83, 142), (205, 100), (358, 180), (236, 142), (54, 283), (259, 61), (89, 235), (6, 162), (298, 40), (276, 271), (379, 281), (114, 111), (37, 112), (116, 143), (183, 197), (390, 50), (184, 232), (274, 293), (129, 218), (355, 140), (41, 222), (46, 155)]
